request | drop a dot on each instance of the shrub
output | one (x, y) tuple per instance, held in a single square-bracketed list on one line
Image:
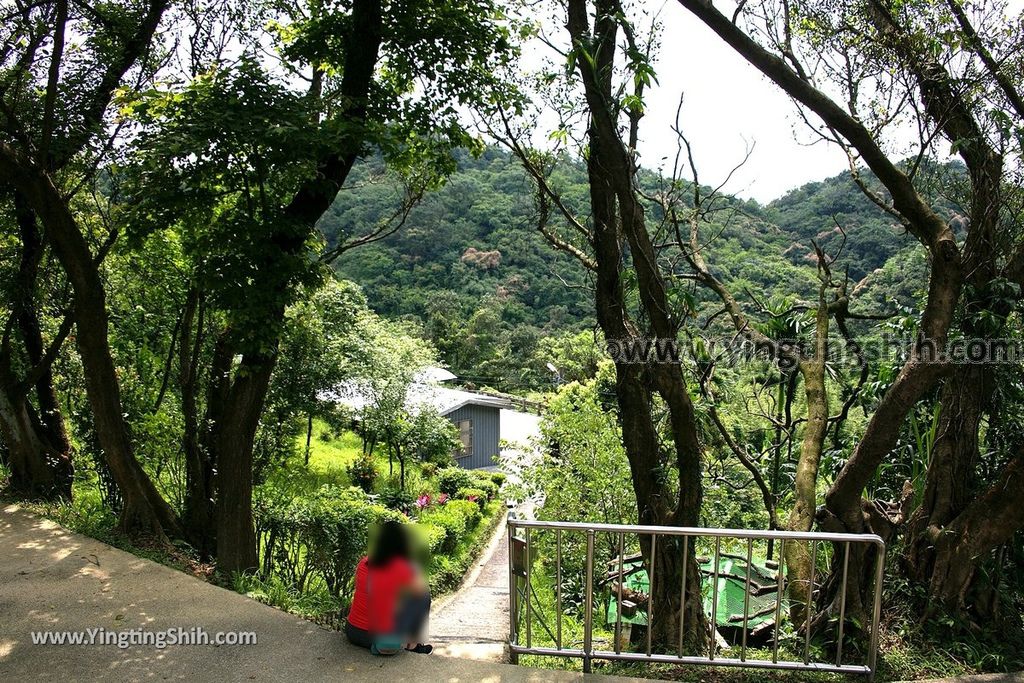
[(451, 479), (397, 499), (362, 473), (498, 478), (319, 538), (468, 509), (444, 573), (489, 488), (456, 518), (428, 469), (482, 481), (453, 523), (434, 535), (477, 496)]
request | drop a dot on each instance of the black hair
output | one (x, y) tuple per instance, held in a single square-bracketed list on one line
[(392, 541)]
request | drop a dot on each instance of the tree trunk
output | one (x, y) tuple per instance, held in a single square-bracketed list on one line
[(309, 434), (144, 510), (965, 397), (198, 514), (989, 521), (41, 451), (401, 468), (234, 432), (38, 470), (950, 479), (801, 518), (236, 534), (616, 211)]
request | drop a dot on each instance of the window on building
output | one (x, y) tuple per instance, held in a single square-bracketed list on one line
[(466, 436)]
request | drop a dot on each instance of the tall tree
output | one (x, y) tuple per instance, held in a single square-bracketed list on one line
[(631, 297), (41, 136), (894, 49), (283, 155)]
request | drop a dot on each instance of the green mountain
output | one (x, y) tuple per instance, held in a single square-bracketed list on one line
[(470, 269), (831, 211)]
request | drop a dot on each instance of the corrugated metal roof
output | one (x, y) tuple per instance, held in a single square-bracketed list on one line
[(420, 395)]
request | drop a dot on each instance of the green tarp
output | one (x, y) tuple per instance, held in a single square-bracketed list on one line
[(729, 591)]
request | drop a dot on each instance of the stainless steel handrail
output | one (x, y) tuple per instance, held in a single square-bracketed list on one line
[(618, 532), (700, 531)]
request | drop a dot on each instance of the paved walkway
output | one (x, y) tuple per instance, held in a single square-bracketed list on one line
[(472, 623), (52, 579), (55, 580)]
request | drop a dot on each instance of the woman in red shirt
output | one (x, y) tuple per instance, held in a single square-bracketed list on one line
[(392, 601)]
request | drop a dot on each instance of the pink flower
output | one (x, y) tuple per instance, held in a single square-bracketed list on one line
[(442, 499), (423, 501), (471, 497)]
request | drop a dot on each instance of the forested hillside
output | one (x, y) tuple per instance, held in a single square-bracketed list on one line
[(468, 266), (472, 270)]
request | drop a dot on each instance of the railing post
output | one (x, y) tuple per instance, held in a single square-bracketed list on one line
[(842, 605), (527, 590), (618, 612), (682, 594), (809, 605), (650, 591), (746, 601), (588, 606), (714, 600), (778, 598), (513, 637), (558, 588), (877, 613)]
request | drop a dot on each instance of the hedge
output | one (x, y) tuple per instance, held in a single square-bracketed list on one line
[(434, 536), (456, 518), (477, 496), (469, 510), (451, 479), (318, 539)]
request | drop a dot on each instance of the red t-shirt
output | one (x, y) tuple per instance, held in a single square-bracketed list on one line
[(376, 597)]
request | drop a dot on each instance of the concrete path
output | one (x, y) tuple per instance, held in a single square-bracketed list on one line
[(472, 623), (55, 580)]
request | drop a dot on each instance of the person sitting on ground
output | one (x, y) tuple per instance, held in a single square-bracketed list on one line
[(392, 601)]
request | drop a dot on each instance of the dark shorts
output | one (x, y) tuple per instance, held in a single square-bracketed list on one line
[(358, 636)]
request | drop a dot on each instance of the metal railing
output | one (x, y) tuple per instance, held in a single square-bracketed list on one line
[(522, 534)]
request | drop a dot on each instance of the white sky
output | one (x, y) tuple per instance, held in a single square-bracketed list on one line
[(728, 104)]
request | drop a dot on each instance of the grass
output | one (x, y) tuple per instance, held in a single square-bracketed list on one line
[(330, 455)]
